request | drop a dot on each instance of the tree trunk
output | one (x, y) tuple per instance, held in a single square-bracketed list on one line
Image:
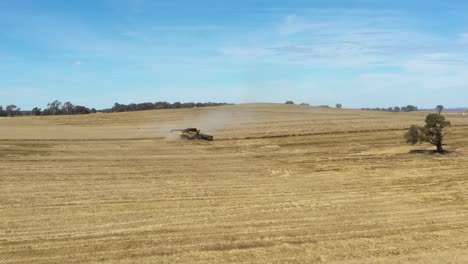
[(440, 149)]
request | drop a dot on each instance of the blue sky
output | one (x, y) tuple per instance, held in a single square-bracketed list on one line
[(361, 53)]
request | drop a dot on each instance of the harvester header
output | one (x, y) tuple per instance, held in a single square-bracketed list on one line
[(192, 134)]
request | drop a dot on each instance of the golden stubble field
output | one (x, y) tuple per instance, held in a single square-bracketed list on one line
[(280, 184)]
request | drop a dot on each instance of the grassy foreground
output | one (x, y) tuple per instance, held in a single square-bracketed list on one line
[(280, 184)]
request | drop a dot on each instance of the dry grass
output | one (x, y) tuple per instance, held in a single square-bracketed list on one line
[(295, 185)]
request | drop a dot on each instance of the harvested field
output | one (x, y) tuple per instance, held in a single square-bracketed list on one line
[(280, 184)]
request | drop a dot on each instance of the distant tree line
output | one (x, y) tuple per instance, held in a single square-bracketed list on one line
[(10, 110), (157, 105), (408, 108), (58, 108), (339, 106)]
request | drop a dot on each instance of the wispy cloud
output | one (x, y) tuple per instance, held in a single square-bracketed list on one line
[(315, 51), (420, 61), (354, 39)]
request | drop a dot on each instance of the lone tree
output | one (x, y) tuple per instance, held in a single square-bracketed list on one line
[(339, 106), (289, 102), (439, 109), (432, 132)]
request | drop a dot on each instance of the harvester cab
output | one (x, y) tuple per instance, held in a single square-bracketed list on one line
[(192, 134)]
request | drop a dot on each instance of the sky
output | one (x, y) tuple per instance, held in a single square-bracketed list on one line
[(360, 53)]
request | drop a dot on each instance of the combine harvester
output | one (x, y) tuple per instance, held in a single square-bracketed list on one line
[(192, 134)]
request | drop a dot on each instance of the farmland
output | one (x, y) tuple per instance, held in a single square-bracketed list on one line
[(280, 184)]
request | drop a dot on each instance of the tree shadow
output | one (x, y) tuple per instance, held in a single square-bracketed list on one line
[(431, 152)]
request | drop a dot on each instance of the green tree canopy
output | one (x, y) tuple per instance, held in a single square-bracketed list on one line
[(439, 109), (431, 133)]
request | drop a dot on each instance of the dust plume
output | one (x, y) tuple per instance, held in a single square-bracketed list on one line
[(209, 121)]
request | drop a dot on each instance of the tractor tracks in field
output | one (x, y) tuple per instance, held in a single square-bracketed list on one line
[(322, 133), (311, 134), (216, 139)]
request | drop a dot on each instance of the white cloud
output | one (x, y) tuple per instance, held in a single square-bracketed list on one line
[(361, 43), (351, 39), (424, 73)]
